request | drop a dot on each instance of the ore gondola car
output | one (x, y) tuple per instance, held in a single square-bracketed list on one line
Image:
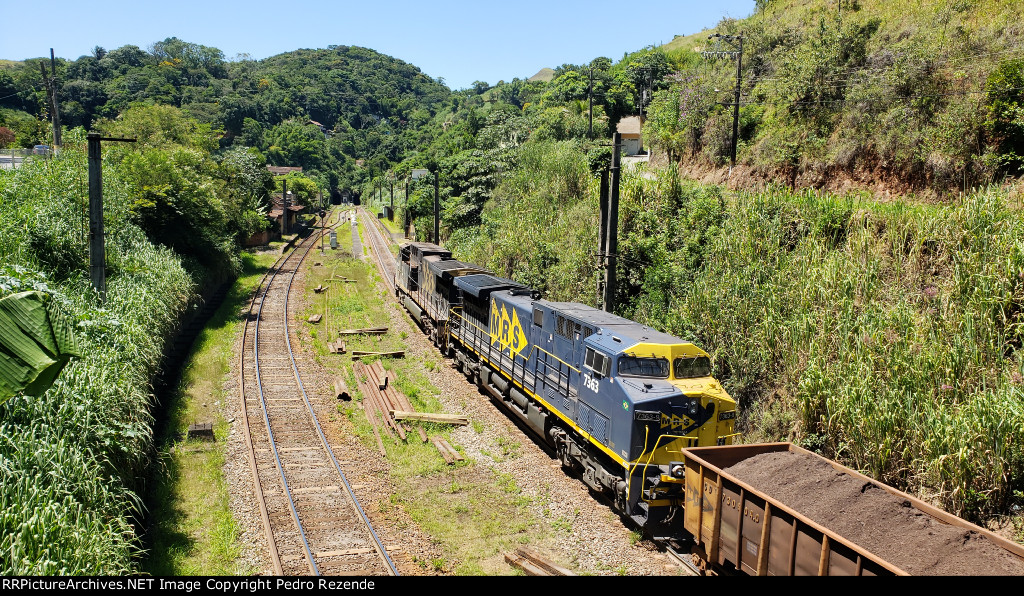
[(617, 401)]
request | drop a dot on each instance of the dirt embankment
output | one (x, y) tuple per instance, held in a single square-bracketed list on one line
[(873, 179)]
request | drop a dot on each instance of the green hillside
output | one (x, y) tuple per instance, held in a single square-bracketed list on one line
[(905, 96)]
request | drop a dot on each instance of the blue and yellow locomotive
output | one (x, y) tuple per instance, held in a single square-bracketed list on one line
[(616, 400)]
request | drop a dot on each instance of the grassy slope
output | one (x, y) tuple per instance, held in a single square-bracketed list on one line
[(904, 113), (194, 532)]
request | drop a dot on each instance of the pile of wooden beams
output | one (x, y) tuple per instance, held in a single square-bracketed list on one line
[(389, 410)]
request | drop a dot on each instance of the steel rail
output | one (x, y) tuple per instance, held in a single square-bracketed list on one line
[(380, 249), (265, 285), (381, 551), (266, 413)]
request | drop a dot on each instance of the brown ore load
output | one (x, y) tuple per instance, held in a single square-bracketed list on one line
[(873, 518)]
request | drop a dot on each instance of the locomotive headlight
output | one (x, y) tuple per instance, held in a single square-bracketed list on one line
[(693, 408), (677, 470)]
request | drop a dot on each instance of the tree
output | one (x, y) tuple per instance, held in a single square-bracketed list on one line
[(677, 115), (6, 137)]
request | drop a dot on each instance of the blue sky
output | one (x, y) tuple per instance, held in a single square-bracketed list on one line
[(460, 41)]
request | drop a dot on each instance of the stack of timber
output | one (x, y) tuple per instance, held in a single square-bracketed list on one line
[(387, 409), (336, 347)]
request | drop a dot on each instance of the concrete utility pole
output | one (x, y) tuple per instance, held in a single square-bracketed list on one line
[(437, 208), (612, 230), (55, 101), (51, 97), (602, 234), (405, 210), (97, 248), (738, 53), (284, 207), (590, 97), (736, 103)]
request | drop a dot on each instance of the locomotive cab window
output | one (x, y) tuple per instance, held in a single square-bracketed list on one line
[(655, 368), (597, 362), (538, 317), (691, 368)]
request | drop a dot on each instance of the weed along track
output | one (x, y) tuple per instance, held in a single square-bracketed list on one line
[(313, 521)]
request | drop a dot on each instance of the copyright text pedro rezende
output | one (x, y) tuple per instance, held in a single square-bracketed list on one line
[(222, 585)]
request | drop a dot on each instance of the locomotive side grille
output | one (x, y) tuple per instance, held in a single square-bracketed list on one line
[(600, 427), (583, 417), (567, 328)]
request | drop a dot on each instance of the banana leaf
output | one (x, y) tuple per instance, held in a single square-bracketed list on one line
[(36, 342)]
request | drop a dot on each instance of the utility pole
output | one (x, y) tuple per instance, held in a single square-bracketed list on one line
[(612, 230), (97, 248), (437, 208), (590, 98), (736, 104), (738, 53), (405, 210), (55, 101), (602, 234), (284, 207), (391, 214)]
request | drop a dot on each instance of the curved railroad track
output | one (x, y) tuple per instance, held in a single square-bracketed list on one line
[(312, 519)]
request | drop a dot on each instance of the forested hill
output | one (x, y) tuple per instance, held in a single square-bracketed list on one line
[(904, 96), (359, 96)]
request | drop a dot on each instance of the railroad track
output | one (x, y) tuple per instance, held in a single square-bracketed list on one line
[(381, 248), (313, 522)]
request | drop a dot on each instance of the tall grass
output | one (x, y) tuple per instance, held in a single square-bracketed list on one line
[(885, 335), (70, 459)]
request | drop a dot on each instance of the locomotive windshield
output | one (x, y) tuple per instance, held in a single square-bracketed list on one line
[(691, 368), (632, 366)]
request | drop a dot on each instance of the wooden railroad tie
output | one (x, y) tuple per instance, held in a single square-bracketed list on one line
[(357, 354), (532, 563), (367, 331), (319, 288), (396, 400), (201, 430), (448, 452), (337, 347), (458, 419), (368, 408), (341, 389)]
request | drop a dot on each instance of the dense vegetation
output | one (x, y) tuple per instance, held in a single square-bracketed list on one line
[(318, 109), (71, 459), (921, 96), (884, 334)]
